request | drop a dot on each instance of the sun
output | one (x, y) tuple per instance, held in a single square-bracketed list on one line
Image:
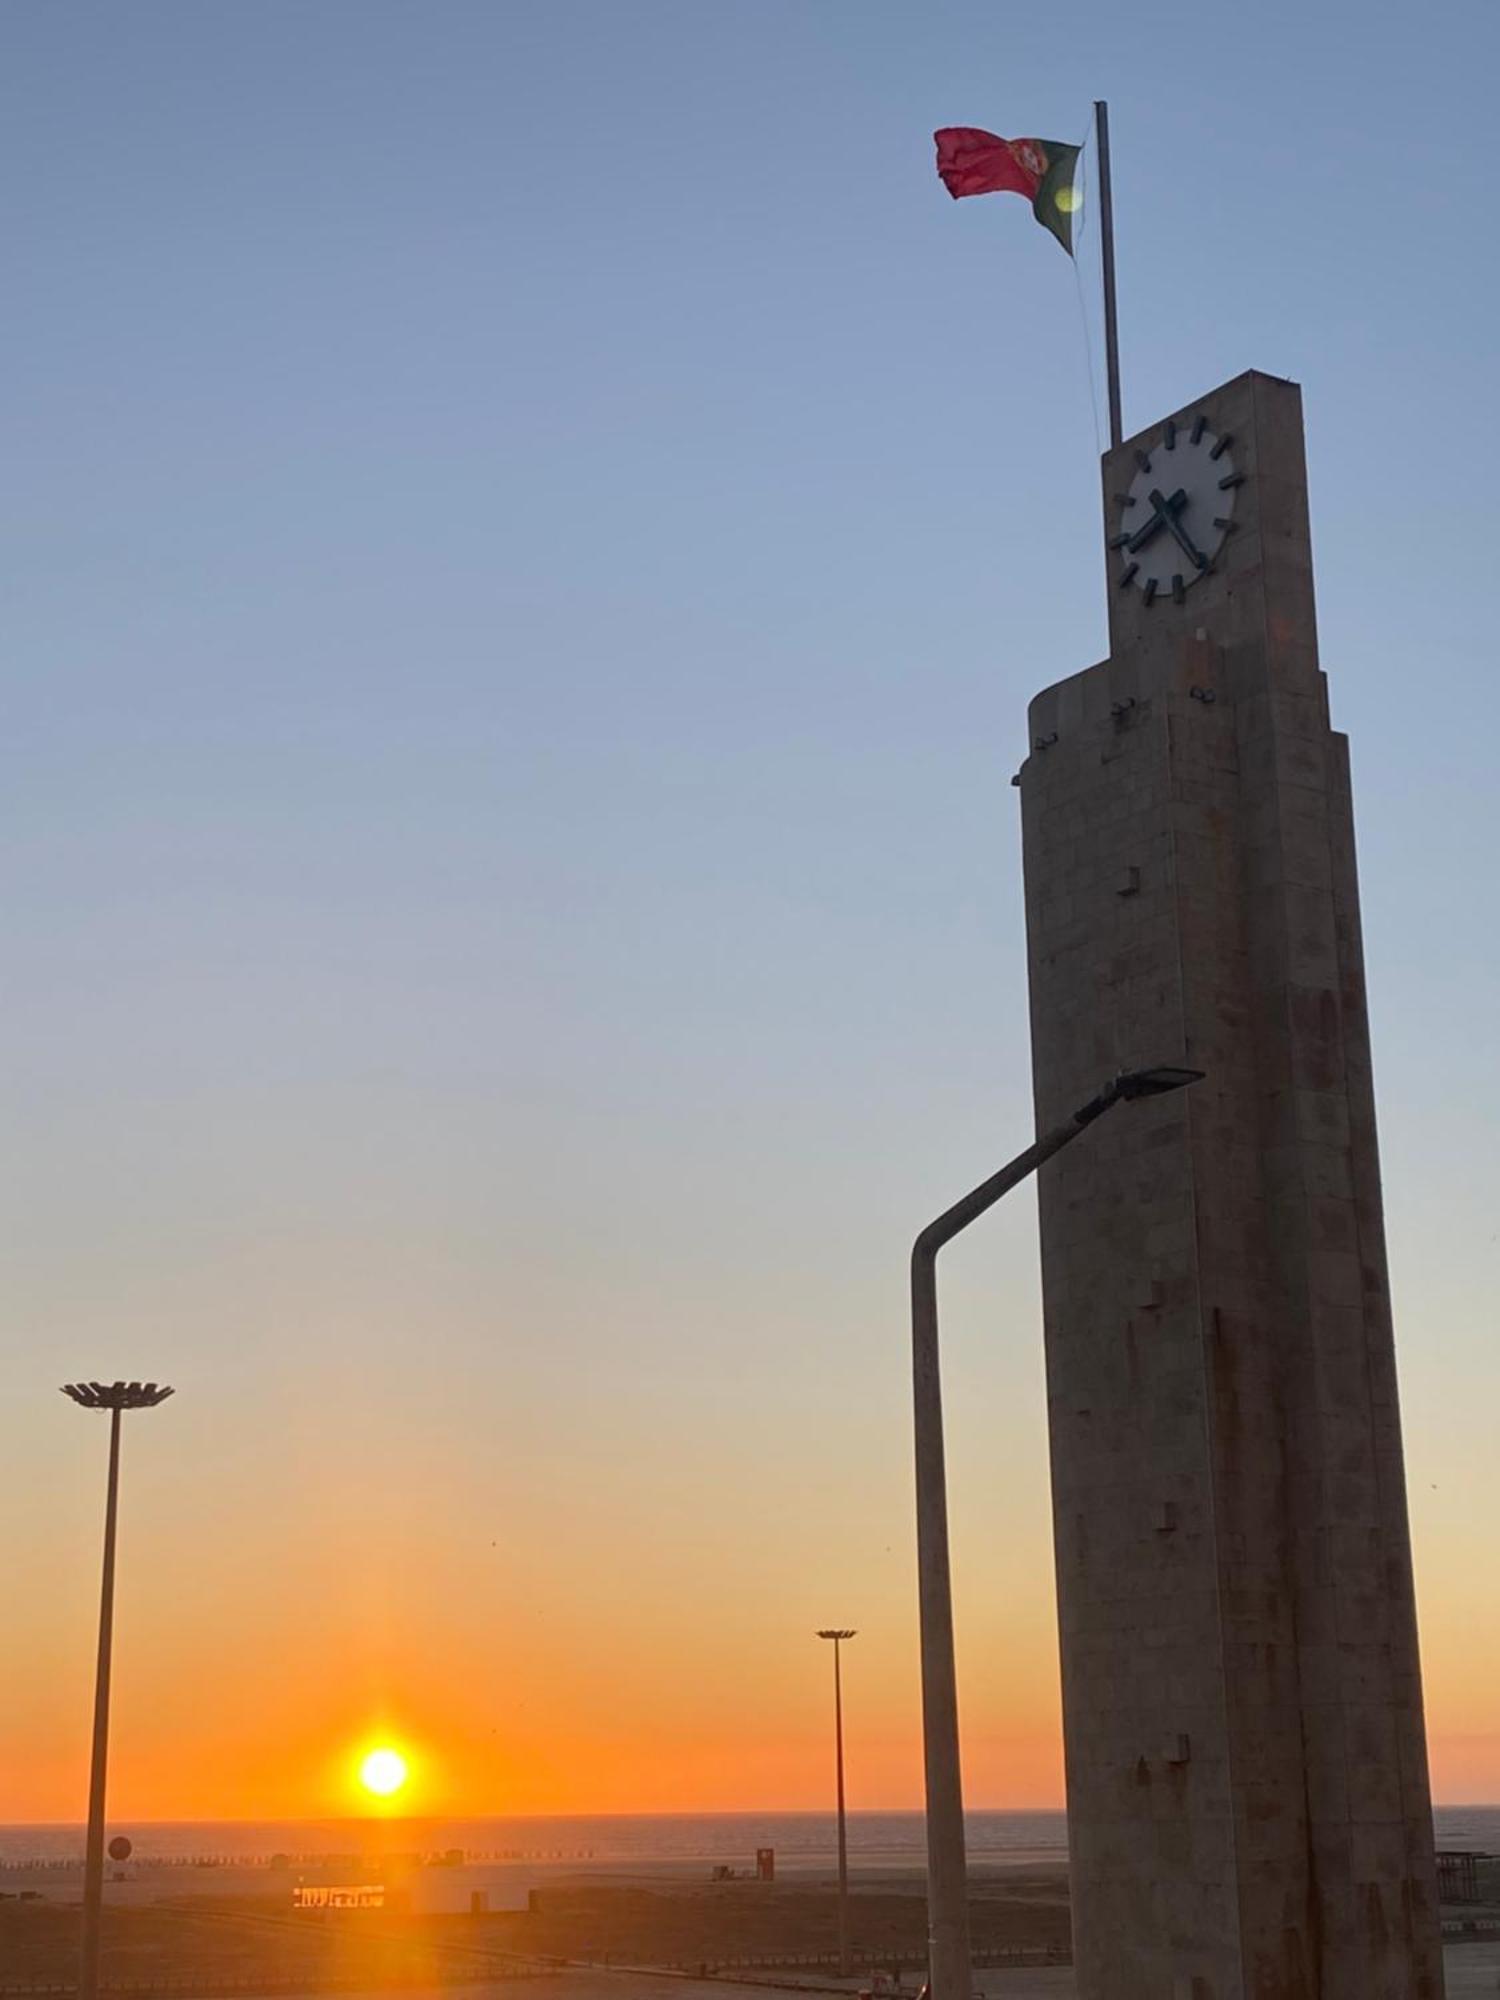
[(383, 1772)]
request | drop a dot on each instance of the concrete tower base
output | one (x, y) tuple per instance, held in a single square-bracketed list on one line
[(1248, 1795)]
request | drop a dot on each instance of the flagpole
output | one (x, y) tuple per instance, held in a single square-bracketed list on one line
[(1107, 253)]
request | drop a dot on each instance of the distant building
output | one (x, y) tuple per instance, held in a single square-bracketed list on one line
[(328, 1896)]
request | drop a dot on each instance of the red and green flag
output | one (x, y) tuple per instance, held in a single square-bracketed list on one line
[(973, 162)]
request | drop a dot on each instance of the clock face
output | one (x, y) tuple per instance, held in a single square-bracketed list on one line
[(1178, 512)]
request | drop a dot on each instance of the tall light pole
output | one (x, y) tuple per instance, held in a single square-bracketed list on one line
[(838, 1638), (116, 1397), (948, 1959)]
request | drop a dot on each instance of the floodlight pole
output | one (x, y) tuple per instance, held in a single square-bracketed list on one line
[(838, 1637), (949, 1964), (117, 1398), (93, 1864)]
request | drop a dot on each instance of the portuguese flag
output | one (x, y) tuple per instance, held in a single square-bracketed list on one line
[(973, 162)]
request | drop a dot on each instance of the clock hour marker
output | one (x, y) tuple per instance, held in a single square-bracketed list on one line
[(1169, 438), (1125, 499), (1142, 461), (1231, 479), (1127, 575), (1119, 541), (1222, 446), (1200, 424), (1223, 521), (1178, 590), (1150, 591)]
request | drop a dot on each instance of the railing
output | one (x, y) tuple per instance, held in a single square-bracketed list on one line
[(991, 1957), (62, 1864), (1471, 1927), (211, 1985)]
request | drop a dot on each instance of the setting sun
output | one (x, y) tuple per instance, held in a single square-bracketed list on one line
[(383, 1772)]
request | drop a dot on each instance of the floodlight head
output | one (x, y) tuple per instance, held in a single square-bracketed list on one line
[(1155, 1082), (117, 1395), (835, 1635)]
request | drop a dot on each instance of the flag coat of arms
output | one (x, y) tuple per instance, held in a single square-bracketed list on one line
[(970, 161)]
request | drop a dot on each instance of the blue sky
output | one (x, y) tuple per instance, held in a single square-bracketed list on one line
[(527, 534)]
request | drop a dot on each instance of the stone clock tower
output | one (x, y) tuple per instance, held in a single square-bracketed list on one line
[(1249, 1811)]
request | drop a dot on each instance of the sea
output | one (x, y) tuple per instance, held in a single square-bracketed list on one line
[(884, 1839)]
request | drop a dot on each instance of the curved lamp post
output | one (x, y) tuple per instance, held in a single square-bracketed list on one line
[(116, 1397), (947, 1885), (838, 1637)]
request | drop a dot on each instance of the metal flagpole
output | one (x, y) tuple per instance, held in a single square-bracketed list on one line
[(1107, 254)]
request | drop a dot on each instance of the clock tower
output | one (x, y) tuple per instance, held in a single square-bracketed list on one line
[(1248, 1799)]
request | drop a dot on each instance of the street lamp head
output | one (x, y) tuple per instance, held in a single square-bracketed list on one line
[(117, 1395), (835, 1635), (1133, 1083), (1155, 1082)]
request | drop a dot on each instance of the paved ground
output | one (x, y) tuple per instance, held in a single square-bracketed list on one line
[(1473, 1969), (1055, 1983), (1473, 1974)]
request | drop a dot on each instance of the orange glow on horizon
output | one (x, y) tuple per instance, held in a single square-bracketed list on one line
[(574, 1668)]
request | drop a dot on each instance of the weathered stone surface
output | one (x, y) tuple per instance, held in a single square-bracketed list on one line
[(1247, 1780)]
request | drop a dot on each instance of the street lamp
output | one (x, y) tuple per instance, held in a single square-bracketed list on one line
[(949, 1965), (838, 1637), (116, 1397)]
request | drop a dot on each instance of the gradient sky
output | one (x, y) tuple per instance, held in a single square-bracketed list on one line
[(528, 532)]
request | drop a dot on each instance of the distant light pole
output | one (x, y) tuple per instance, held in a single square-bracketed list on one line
[(116, 1397), (838, 1638), (948, 1959)]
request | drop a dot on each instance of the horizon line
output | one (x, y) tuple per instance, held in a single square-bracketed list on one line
[(706, 1812)]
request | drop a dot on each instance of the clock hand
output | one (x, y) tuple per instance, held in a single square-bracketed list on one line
[(1168, 511), (1161, 518)]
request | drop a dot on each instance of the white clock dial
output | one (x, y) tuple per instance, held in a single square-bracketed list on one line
[(1178, 511)]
